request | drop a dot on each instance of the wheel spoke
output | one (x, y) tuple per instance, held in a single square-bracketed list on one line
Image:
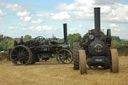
[(65, 56)]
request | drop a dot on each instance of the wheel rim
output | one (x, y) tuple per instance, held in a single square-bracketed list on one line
[(83, 68), (115, 61), (58, 59), (21, 55), (65, 56)]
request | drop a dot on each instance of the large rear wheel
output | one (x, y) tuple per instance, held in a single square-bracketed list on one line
[(83, 68), (115, 61), (21, 55)]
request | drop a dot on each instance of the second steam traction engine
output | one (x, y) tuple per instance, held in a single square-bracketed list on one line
[(41, 48)]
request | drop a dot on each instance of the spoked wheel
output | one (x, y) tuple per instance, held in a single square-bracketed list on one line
[(57, 58), (65, 56), (115, 61), (21, 55), (83, 68)]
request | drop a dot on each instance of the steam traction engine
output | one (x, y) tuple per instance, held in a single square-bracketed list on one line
[(95, 50), (41, 48)]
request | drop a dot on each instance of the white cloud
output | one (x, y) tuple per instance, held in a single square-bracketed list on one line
[(27, 18), (80, 9), (55, 16), (22, 14), (71, 31), (117, 13), (44, 14), (111, 10), (116, 29), (18, 9), (80, 26), (84, 2), (105, 2), (114, 26), (61, 16), (2, 13), (13, 7), (39, 21), (41, 28), (12, 27)]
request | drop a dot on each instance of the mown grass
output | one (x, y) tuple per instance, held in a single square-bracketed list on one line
[(5, 61), (52, 73)]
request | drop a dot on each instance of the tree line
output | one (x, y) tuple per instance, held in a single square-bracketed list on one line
[(8, 42)]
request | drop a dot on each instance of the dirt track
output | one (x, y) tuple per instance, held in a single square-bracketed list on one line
[(51, 73)]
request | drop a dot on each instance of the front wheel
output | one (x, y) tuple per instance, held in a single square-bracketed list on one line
[(83, 67), (65, 56), (115, 61)]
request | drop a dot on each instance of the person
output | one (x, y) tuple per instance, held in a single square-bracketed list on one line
[(15, 42), (21, 40)]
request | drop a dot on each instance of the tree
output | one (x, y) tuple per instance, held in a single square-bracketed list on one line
[(125, 43), (116, 42), (76, 37), (60, 40), (117, 38), (6, 43), (27, 37), (1, 37)]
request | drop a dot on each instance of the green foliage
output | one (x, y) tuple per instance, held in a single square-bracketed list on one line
[(60, 40), (116, 38), (1, 37), (8, 42), (5, 43), (125, 43), (117, 44), (27, 37), (76, 37)]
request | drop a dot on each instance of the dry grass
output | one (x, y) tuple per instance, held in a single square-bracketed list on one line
[(3, 55), (51, 73)]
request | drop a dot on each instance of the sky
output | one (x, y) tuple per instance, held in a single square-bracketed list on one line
[(46, 17)]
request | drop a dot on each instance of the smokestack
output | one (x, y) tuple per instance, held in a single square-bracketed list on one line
[(65, 33), (97, 21)]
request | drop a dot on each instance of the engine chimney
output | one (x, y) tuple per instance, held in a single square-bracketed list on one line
[(97, 21), (65, 33)]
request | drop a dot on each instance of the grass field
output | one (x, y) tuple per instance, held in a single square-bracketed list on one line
[(51, 73)]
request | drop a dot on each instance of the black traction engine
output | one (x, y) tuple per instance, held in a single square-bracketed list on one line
[(95, 49)]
